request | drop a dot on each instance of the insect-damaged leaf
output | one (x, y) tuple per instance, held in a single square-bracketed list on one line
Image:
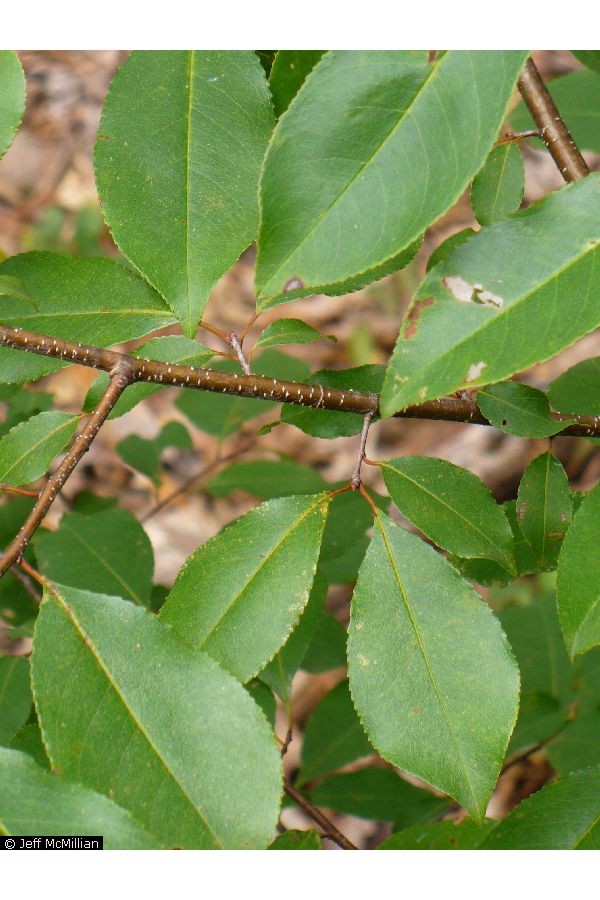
[(472, 319), (375, 147), (431, 673), (179, 148), (517, 408), (239, 596), (128, 709)]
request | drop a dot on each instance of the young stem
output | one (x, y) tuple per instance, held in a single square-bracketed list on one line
[(355, 481), (120, 377), (553, 130), (320, 818), (237, 346)]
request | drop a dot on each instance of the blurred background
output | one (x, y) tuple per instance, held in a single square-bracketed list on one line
[(48, 201)]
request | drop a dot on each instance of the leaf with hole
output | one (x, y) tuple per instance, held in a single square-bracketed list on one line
[(130, 710), (373, 149), (239, 596), (431, 673), (470, 322), (180, 144), (519, 409)]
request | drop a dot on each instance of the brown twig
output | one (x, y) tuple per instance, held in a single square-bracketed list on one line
[(212, 330), (552, 129), (236, 343), (355, 481), (511, 136), (320, 818), (20, 491), (446, 409), (120, 377)]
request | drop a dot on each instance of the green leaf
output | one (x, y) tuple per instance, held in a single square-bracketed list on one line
[(239, 596), (143, 454), (266, 479), (24, 404), (220, 414), (263, 697), (327, 649), (577, 96), (377, 794), (108, 552), (374, 148), (516, 408), (472, 319), (562, 816), (94, 301), (14, 287), (577, 593), (497, 190), (28, 739), (173, 348), (333, 736), (447, 247), (290, 331), (12, 97), (28, 449), (578, 389), (288, 73), (439, 836), (15, 696), (132, 711), (34, 802), (578, 745), (451, 506), (431, 672), (540, 717), (589, 58), (534, 635), (324, 423), (544, 508), (297, 840), (180, 144), (279, 673)]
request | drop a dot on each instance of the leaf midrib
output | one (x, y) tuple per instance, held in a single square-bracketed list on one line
[(94, 652), (432, 71), (448, 507), (264, 560), (425, 659)]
